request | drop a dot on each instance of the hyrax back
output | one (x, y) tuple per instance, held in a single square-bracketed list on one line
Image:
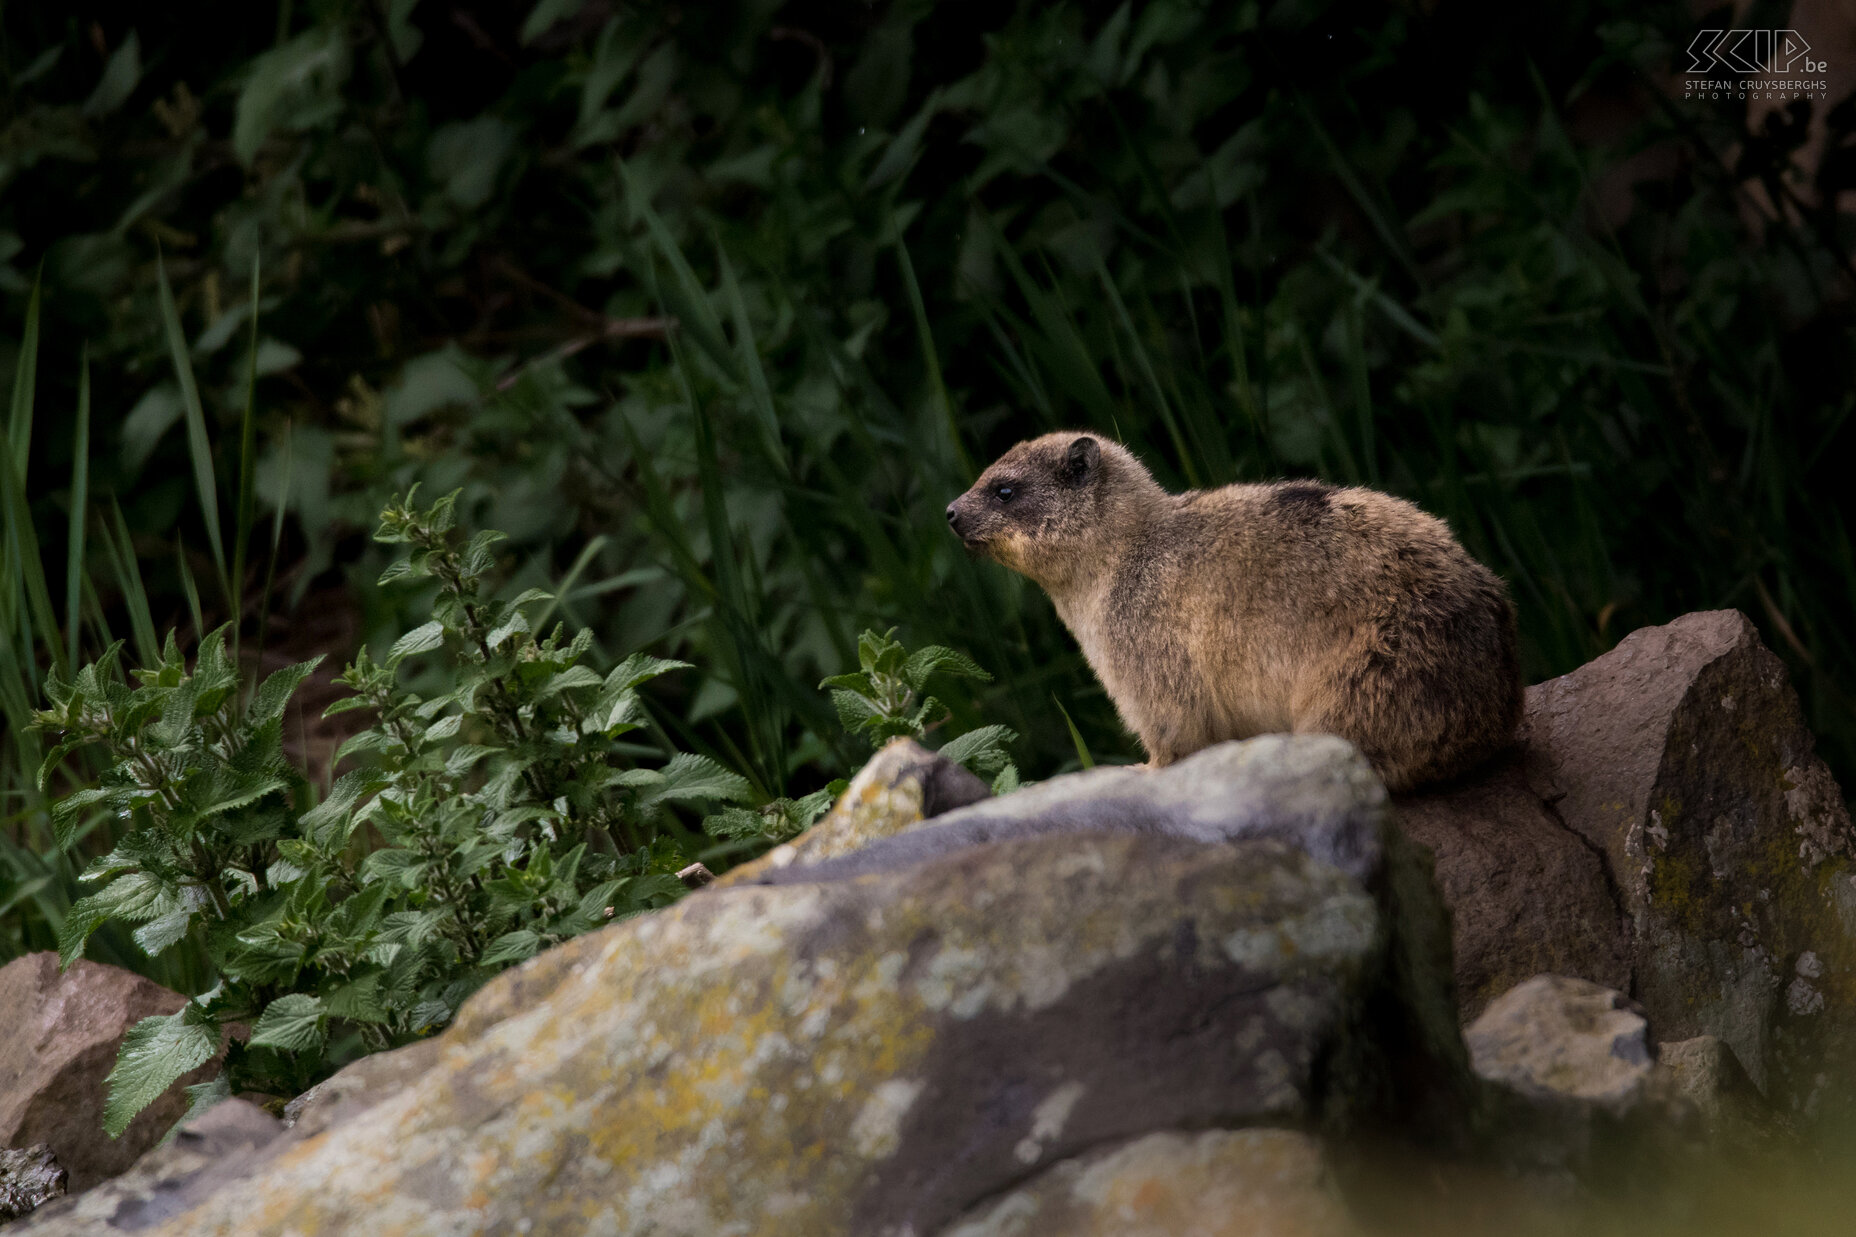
[(1221, 614)]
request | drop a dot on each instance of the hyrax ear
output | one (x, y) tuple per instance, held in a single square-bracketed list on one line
[(1082, 459)]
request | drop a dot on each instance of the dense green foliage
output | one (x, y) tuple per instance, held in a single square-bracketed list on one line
[(493, 819), (713, 308)]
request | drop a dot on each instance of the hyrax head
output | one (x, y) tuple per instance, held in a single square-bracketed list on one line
[(1039, 504)]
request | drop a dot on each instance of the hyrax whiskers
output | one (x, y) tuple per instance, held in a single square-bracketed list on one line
[(1295, 606)]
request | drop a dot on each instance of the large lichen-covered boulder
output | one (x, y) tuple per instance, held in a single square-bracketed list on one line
[(1682, 756), (59, 1032), (879, 1051), (1668, 831), (1216, 1183)]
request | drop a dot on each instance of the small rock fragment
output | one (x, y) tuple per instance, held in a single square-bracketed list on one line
[(1555, 1038), (28, 1176)]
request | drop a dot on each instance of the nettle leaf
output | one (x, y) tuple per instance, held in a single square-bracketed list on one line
[(982, 750), (394, 866), (229, 790), (358, 1001), (478, 557), (200, 1097), (516, 946), (569, 679), (936, 659), (640, 668), (347, 704), (854, 708), (366, 741), (273, 695), (414, 928), (347, 791), (67, 812), (516, 622), (156, 1051), (464, 757), (442, 729), (293, 1023), (159, 933), (421, 639), (688, 776)]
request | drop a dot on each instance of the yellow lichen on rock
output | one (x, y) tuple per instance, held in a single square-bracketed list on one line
[(806, 1059)]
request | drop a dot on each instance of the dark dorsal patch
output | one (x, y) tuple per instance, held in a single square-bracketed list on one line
[(1302, 501)]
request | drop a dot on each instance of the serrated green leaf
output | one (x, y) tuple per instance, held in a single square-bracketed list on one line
[(293, 1023), (366, 741), (156, 1051), (639, 668), (157, 935), (514, 946), (357, 1001), (347, 704), (936, 659), (273, 695), (515, 622), (983, 750), (346, 792), (688, 776), (393, 865), (421, 639), (568, 680)]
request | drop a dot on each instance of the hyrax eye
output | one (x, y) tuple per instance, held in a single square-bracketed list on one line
[(1003, 493)]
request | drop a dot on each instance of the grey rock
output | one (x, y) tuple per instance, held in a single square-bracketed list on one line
[(58, 1039), (880, 1055), (1665, 829), (1216, 1183), (1313, 792), (1683, 758), (1560, 1039), (214, 1149), (1701, 1076), (1527, 895), (29, 1176)]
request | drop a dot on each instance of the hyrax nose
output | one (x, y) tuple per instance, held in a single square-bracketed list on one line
[(953, 517)]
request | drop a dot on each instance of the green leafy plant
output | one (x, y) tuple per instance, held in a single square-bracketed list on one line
[(493, 818), (886, 696)]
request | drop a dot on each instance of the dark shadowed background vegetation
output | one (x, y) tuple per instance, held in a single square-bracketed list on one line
[(712, 308)]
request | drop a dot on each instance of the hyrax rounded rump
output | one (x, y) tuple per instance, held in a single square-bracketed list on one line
[(1296, 606)]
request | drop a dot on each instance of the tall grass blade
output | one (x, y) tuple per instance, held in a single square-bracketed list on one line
[(80, 509), (26, 609), (1162, 405), (1083, 755), (277, 536), (760, 391), (191, 589), (128, 572), (924, 336), (198, 445), (25, 380), (247, 466)]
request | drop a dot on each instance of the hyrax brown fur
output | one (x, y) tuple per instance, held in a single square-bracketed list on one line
[(1221, 614)]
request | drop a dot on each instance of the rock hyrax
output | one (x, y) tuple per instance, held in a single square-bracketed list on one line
[(1221, 614)]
